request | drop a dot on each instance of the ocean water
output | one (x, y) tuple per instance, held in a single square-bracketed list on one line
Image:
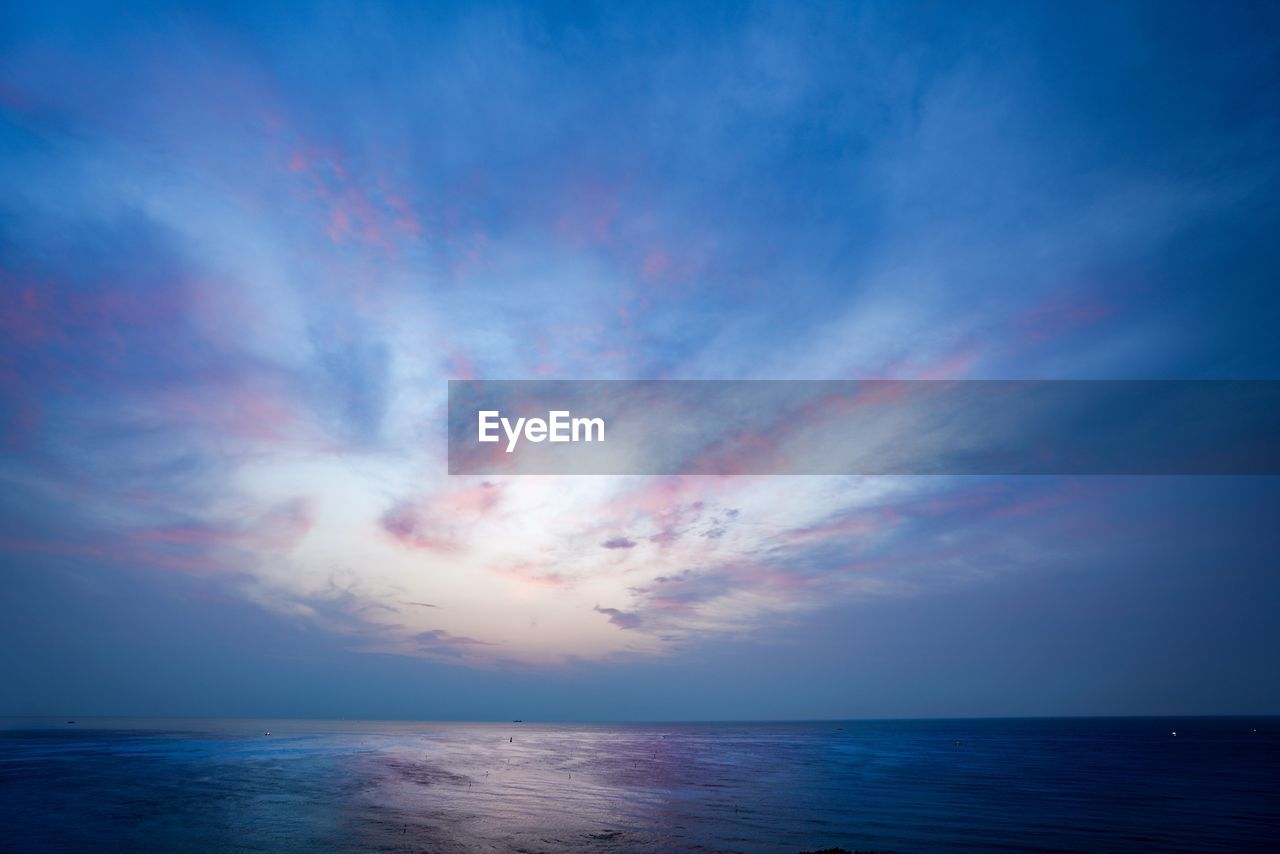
[(1069, 784)]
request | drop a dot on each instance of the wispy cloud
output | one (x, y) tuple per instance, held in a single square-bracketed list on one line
[(238, 269)]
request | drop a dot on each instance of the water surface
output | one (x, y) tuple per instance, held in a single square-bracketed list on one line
[(1069, 784)]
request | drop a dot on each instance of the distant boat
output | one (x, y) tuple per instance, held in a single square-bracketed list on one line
[(517, 721)]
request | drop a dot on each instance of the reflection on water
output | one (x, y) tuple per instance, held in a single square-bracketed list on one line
[(882, 785)]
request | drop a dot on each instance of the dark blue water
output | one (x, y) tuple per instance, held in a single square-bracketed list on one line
[(1080, 785)]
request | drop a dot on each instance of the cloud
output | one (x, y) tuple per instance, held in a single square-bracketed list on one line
[(621, 619), (439, 641), (226, 322)]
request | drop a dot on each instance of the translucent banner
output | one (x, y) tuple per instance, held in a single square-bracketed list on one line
[(869, 427)]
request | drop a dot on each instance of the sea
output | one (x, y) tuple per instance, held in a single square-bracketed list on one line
[(1078, 784)]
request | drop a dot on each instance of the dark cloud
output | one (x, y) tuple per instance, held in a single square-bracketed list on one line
[(621, 619), (618, 543)]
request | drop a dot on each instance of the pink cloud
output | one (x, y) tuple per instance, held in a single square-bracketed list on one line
[(541, 573), (1060, 314), (437, 522)]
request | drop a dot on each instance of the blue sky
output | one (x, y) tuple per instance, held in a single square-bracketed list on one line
[(242, 250)]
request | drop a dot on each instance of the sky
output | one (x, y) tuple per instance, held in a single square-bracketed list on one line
[(244, 246)]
